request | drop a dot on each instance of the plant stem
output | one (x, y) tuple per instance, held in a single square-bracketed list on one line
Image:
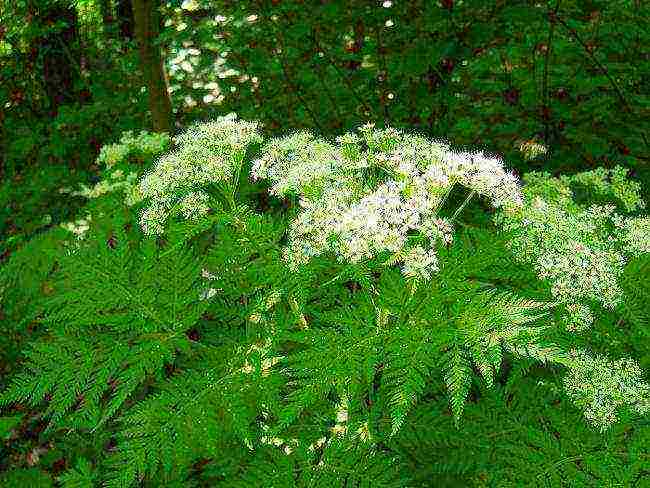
[(463, 205)]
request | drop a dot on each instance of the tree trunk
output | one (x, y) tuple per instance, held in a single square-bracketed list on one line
[(107, 13), (125, 18), (60, 53), (146, 16)]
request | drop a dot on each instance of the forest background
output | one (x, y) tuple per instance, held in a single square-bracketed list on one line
[(572, 75)]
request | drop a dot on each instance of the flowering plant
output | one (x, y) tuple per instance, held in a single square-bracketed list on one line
[(308, 334)]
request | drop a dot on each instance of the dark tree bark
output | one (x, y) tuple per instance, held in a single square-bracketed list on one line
[(147, 26), (124, 14), (106, 10), (58, 49)]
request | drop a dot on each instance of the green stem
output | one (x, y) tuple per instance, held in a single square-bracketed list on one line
[(444, 197), (463, 205), (230, 198), (407, 300)]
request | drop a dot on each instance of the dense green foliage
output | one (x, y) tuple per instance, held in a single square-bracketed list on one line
[(176, 350), (571, 74), (183, 310)]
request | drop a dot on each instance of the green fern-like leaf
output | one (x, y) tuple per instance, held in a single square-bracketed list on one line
[(457, 374), (119, 315), (410, 356)]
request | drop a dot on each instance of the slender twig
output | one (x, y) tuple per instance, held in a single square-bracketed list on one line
[(552, 16), (294, 88), (345, 79), (603, 69)]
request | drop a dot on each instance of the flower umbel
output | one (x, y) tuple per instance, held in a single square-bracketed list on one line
[(205, 164), (373, 189)]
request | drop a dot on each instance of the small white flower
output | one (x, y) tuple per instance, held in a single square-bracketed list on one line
[(317, 444), (255, 318), (209, 293), (207, 275), (195, 204), (419, 263), (342, 415), (190, 5)]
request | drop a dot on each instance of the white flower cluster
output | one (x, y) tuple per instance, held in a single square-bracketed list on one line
[(610, 183), (579, 272), (366, 194), (141, 146), (190, 5), (117, 181), (419, 263), (295, 161), (341, 427), (485, 176), (582, 251), (78, 227), (532, 149), (194, 204), (635, 234), (601, 387), (207, 154)]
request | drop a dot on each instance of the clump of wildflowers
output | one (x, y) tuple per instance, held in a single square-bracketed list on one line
[(79, 227), (208, 156), (116, 181), (610, 183), (118, 160), (532, 149), (581, 250), (601, 386), (367, 193), (635, 234), (419, 263), (142, 146)]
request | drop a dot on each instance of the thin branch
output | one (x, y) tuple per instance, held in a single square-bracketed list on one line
[(603, 69), (294, 87), (552, 16), (345, 79)]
